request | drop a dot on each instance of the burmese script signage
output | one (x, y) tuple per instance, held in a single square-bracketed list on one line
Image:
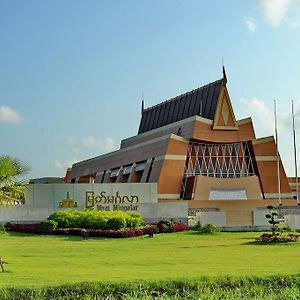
[(105, 201)]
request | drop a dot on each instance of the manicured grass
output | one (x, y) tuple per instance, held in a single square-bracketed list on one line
[(287, 288), (33, 260)]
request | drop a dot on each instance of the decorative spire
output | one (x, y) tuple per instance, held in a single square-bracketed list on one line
[(143, 104), (224, 74)]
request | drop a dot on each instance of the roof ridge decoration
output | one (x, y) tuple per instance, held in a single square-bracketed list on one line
[(201, 101), (224, 116)]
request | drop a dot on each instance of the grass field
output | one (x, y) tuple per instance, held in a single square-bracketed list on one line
[(33, 260)]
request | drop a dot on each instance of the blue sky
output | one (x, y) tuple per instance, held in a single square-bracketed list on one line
[(72, 73)]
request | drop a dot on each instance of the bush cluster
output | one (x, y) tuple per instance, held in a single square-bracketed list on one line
[(103, 220), (166, 226), (277, 238), (207, 229)]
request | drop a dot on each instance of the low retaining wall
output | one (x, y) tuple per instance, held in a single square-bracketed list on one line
[(43, 199), (245, 228)]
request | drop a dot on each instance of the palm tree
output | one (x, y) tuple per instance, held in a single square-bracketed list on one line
[(12, 190)]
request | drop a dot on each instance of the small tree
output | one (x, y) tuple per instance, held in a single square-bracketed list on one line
[(11, 188), (272, 217)]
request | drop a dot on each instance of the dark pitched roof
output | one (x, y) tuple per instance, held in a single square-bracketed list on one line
[(203, 99)]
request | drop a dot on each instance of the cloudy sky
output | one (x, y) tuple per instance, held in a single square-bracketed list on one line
[(72, 73)]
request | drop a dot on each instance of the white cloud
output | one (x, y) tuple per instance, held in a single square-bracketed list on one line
[(278, 12), (85, 148), (64, 165), (93, 144), (287, 117), (251, 24), (292, 23), (8, 115), (275, 10), (261, 115), (263, 120)]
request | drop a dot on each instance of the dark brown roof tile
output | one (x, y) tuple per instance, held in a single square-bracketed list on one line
[(203, 99)]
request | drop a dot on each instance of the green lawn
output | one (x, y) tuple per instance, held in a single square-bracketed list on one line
[(33, 260)]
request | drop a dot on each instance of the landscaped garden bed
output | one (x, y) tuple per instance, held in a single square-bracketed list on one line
[(277, 238), (97, 224)]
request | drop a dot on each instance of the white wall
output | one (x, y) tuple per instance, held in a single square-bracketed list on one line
[(217, 218), (293, 221), (43, 199), (259, 217)]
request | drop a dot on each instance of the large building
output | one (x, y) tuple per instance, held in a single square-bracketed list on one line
[(196, 151)]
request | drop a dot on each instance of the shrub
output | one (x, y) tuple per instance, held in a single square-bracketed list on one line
[(116, 223), (165, 226), (277, 238), (2, 228), (96, 219), (49, 225), (209, 229), (177, 227), (149, 229), (168, 223), (134, 220), (94, 222), (61, 217)]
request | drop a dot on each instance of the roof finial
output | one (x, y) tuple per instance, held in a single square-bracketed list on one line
[(224, 72), (143, 103)]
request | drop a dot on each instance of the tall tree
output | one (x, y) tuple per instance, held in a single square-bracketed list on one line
[(12, 190)]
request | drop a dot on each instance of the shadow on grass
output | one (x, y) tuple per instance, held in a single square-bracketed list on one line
[(21, 234), (195, 232), (6, 272), (251, 243), (35, 235)]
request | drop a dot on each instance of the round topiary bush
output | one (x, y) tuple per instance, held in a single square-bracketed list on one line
[(116, 223), (49, 225)]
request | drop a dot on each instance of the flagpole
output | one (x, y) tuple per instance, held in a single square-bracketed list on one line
[(295, 154), (278, 157)]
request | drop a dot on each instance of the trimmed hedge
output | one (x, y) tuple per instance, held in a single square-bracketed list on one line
[(39, 229), (123, 233), (103, 220)]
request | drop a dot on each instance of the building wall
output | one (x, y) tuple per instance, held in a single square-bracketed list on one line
[(203, 131), (238, 212), (171, 174), (143, 151), (266, 160), (204, 184)]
